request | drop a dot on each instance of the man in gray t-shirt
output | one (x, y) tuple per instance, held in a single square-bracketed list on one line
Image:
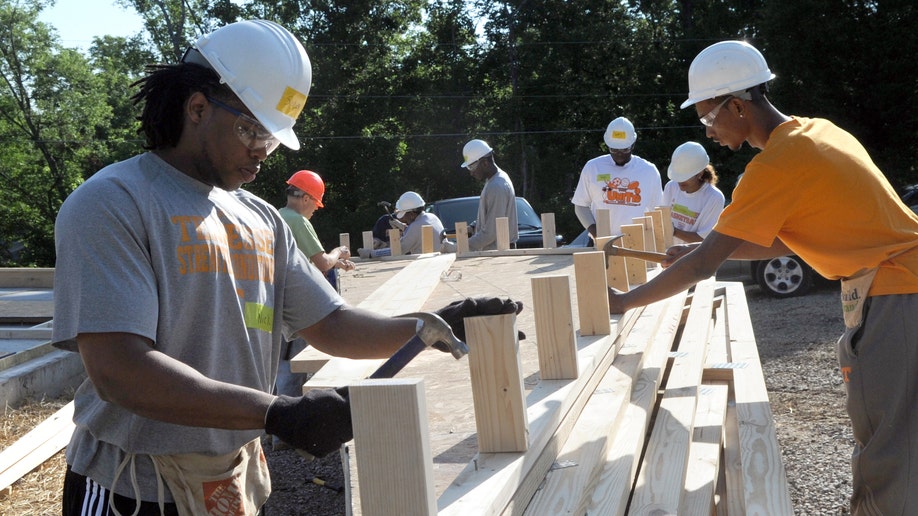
[(498, 198), (178, 288)]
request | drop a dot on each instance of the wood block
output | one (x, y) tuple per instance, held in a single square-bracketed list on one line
[(395, 242), (548, 231), (603, 223), (634, 239), (392, 441), (462, 238), (368, 240), (497, 384), (649, 238), (592, 293), (667, 212), (659, 238), (554, 318), (503, 233), (427, 239), (616, 271), (344, 240)]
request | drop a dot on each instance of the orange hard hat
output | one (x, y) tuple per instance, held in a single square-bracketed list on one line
[(309, 182)]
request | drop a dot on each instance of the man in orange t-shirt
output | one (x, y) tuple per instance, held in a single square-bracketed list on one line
[(814, 191)]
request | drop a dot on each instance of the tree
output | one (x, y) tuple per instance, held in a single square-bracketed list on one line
[(50, 111)]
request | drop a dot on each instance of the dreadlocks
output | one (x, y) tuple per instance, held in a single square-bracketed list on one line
[(164, 91)]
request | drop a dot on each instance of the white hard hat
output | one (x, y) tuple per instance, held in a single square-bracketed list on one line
[(620, 134), (407, 202), (266, 67), (725, 67), (689, 159), (474, 150)]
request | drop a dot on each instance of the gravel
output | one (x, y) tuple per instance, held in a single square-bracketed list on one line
[(796, 339)]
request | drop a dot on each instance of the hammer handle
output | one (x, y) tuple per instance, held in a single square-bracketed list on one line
[(650, 256), (400, 359)]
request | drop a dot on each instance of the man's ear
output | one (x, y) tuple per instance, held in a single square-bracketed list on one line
[(195, 106)]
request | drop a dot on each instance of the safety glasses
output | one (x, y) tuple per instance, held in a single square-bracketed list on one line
[(708, 120), (250, 132)]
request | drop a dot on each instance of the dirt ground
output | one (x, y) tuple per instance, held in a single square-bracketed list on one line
[(796, 340)]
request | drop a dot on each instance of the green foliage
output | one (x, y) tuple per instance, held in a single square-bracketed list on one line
[(399, 87)]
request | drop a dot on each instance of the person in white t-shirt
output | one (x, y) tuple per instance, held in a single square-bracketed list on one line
[(691, 193), (621, 182)]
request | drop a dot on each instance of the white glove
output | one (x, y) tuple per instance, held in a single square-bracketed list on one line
[(394, 223)]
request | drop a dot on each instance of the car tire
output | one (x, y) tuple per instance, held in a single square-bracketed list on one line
[(785, 276)]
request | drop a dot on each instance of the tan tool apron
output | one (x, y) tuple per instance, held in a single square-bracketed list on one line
[(235, 484), (854, 291)]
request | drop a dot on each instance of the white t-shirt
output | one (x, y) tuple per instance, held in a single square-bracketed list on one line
[(212, 277), (627, 191), (695, 212)]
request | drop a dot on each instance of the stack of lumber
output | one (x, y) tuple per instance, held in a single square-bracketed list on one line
[(666, 414)]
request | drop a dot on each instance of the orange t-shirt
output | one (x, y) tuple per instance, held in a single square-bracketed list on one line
[(815, 187)]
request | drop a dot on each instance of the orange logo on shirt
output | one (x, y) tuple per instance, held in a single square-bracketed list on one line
[(621, 190)]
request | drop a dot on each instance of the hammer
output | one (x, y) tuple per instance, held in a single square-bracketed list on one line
[(433, 330), (612, 250)]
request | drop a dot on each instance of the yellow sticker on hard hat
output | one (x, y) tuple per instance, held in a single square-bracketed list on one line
[(291, 103), (619, 135)]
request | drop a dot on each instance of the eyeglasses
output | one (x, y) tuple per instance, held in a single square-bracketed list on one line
[(708, 120), (250, 132), (619, 152)]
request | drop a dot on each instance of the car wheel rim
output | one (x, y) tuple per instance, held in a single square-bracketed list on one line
[(783, 274)]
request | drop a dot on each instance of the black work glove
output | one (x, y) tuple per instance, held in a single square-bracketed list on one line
[(455, 312), (318, 422)]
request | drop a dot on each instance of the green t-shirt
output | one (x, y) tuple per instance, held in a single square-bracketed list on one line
[(303, 232)]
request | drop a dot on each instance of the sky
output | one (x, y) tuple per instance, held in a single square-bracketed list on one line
[(78, 21)]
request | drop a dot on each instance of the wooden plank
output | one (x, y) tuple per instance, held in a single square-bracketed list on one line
[(555, 337), (592, 295), (427, 240), (704, 450), (405, 292), (395, 242), (566, 489), (344, 240), (662, 475), (489, 481), (503, 233), (548, 231), (603, 223), (764, 479), (634, 239), (462, 238), (497, 383), (392, 445), (658, 235), (37, 446), (27, 277), (611, 490), (734, 501)]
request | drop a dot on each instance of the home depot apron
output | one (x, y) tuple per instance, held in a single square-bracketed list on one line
[(853, 295), (234, 484)]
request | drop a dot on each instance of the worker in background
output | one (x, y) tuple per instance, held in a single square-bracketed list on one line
[(621, 182), (498, 198), (814, 191), (409, 209), (305, 190), (692, 193), (178, 288)]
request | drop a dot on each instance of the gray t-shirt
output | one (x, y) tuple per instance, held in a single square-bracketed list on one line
[(498, 199), (212, 277)]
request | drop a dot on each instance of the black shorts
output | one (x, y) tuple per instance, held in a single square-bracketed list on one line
[(83, 495)]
